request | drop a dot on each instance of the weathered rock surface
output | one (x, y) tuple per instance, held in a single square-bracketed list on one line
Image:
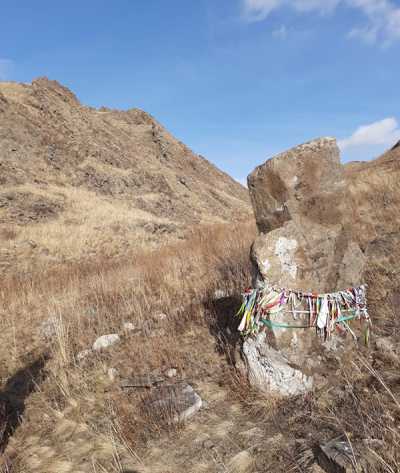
[(105, 341), (174, 403), (337, 456), (304, 184), (269, 370), (306, 243), (299, 200), (315, 257)]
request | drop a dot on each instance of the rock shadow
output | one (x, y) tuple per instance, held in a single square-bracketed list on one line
[(14, 394), (223, 325)]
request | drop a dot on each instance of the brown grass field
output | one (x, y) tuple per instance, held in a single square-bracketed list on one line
[(68, 415)]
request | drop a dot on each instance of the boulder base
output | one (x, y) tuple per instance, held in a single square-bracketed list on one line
[(270, 371)]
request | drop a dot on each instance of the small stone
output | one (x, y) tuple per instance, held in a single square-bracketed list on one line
[(171, 373), (112, 374), (336, 456), (106, 341), (83, 354), (129, 326)]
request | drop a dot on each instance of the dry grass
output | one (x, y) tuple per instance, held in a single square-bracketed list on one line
[(77, 420), (77, 303)]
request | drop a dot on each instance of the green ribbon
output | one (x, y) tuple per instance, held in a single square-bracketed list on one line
[(272, 325)]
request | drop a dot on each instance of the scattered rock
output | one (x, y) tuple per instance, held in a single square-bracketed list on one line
[(268, 370), (129, 326), (106, 341), (171, 373), (336, 456), (174, 403)]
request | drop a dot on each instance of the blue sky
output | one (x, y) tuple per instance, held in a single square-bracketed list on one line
[(236, 80)]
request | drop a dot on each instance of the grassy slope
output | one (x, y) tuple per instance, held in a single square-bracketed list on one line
[(77, 420)]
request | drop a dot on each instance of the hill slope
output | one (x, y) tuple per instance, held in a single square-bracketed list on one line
[(76, 181)]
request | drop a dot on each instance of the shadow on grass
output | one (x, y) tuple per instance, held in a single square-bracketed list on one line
[(14, 394), (223, 325)]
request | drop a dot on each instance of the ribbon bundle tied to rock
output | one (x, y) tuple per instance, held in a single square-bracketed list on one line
[(324, 312)]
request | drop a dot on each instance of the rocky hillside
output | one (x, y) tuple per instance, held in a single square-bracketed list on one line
[(77, 181), (374, 202)]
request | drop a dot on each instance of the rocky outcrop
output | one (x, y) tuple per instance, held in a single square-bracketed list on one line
[(373, 206), (117, 176), (306, 243)]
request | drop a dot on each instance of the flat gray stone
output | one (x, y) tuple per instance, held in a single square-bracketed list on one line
[(106, 341), (174, 403)]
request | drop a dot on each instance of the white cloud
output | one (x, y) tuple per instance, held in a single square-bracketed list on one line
[(257, 10), (382, 16), (384, 132), (6, 66)]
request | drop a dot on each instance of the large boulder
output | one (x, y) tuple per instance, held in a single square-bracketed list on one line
[(305, 184), (300, 202)]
